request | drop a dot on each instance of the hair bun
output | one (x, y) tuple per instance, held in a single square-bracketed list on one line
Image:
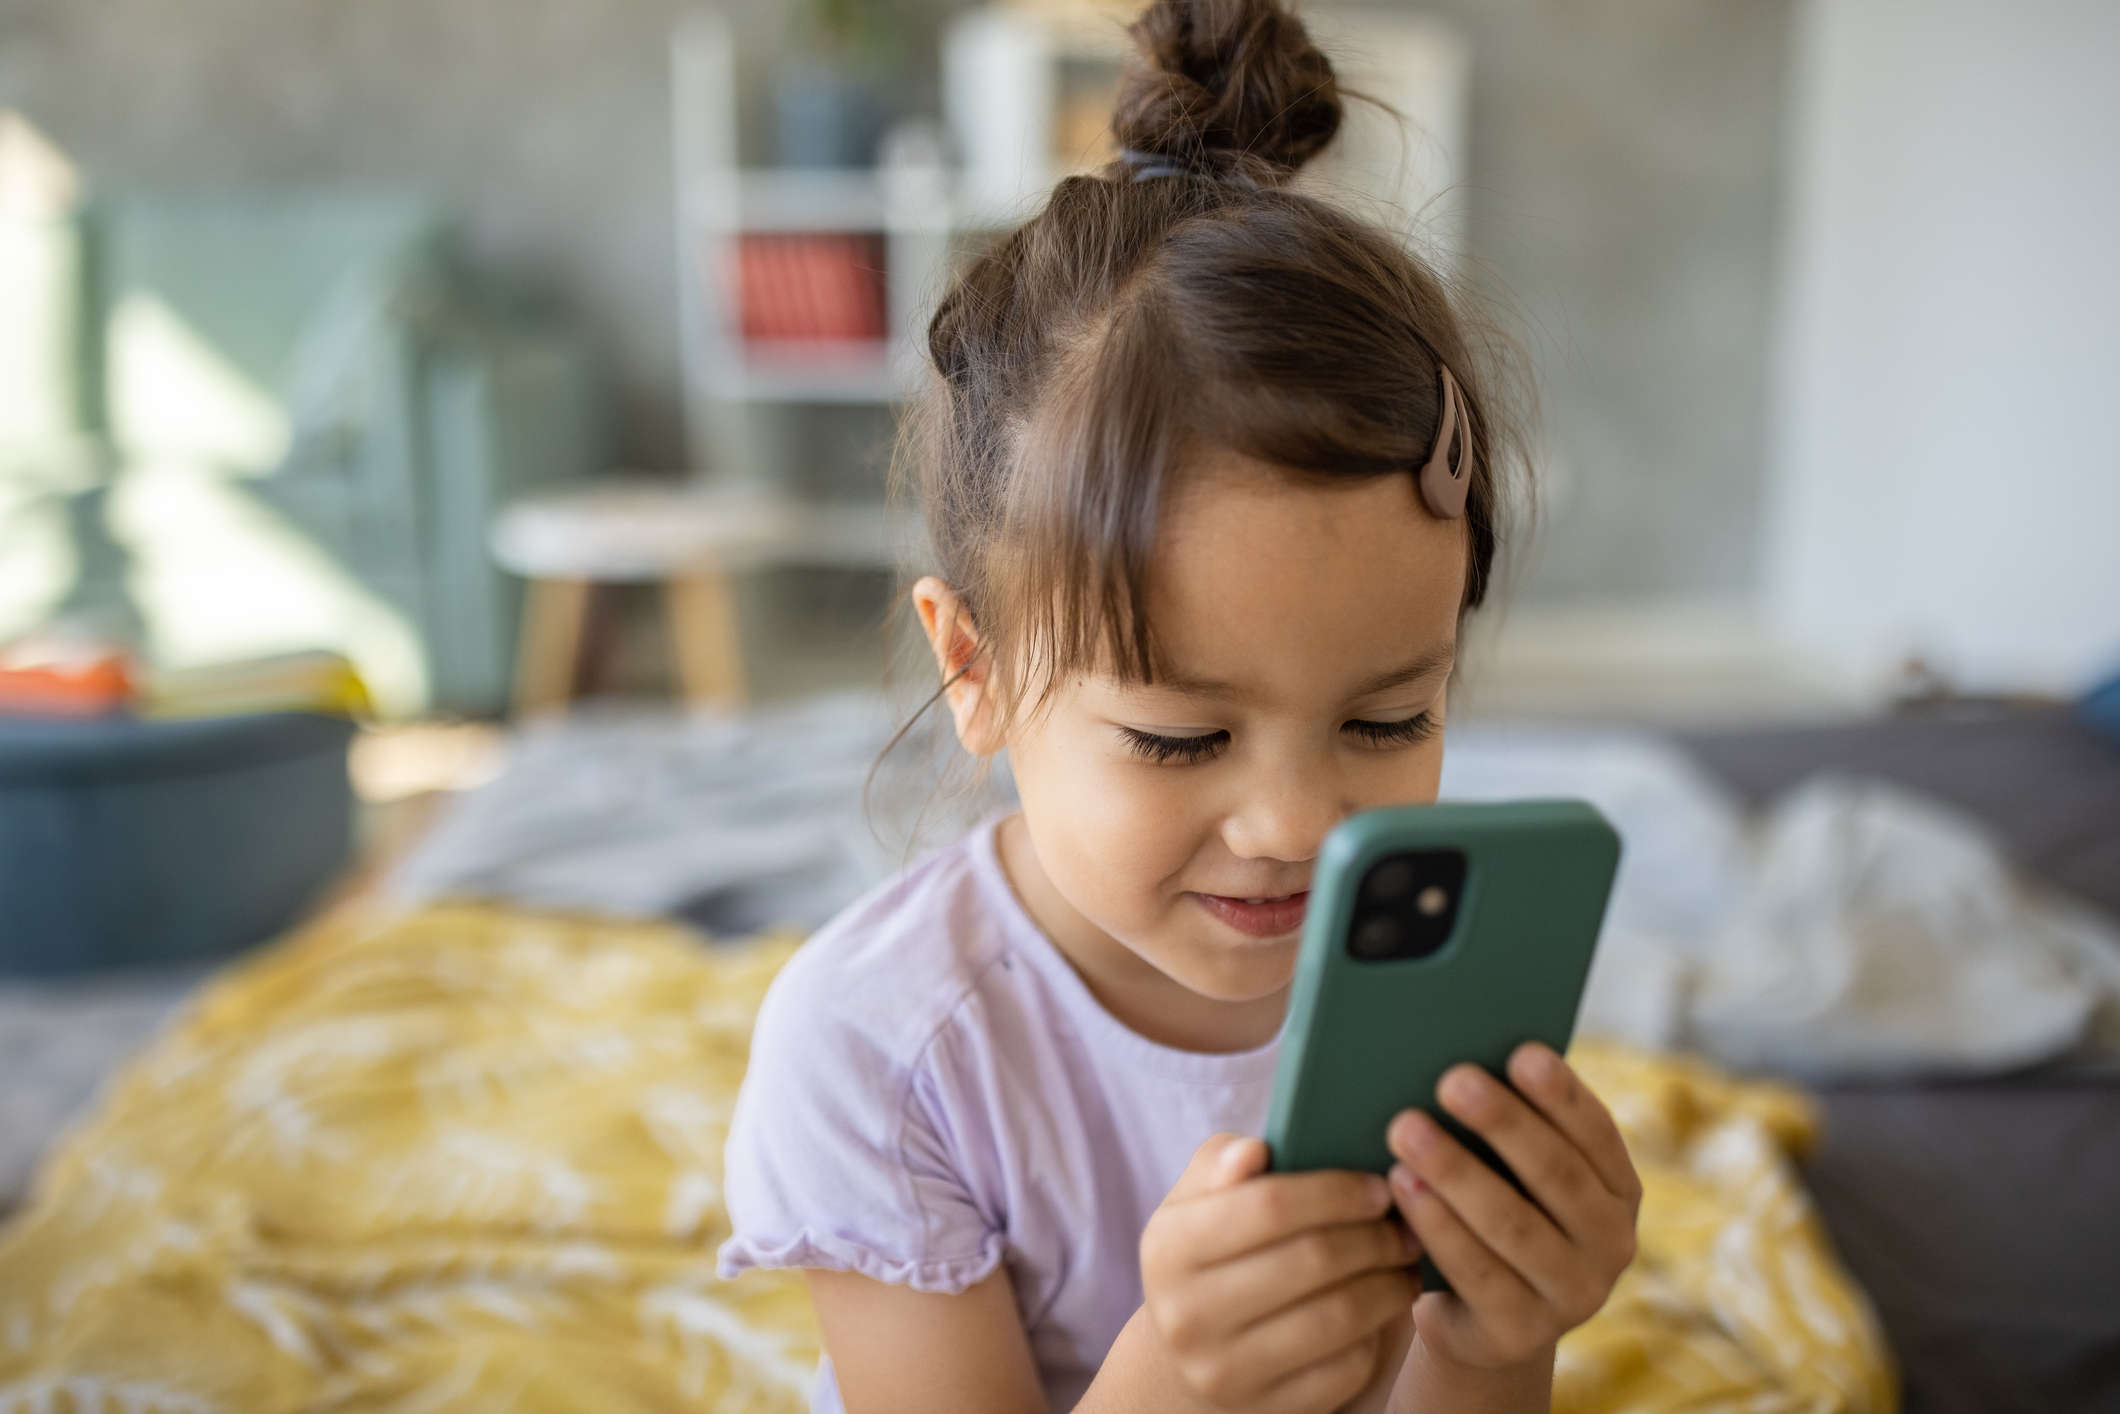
[(1230, 87)]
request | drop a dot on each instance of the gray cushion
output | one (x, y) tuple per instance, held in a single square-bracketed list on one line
[(1982, 1221), (2045, 783)]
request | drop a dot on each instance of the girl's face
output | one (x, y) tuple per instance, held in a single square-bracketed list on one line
[(1168, 831)]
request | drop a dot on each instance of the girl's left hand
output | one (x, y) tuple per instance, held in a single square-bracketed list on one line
[(1524, 1270)]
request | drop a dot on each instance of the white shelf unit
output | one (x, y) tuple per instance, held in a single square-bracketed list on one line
[(1026, 91), (728, 380), (1399, 159)]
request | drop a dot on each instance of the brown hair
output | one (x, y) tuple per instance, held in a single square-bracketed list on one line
[(1182, 298)]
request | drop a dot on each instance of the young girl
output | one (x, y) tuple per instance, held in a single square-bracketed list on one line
[(1210, 479)]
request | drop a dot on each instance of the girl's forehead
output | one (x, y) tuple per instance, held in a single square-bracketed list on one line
[(1262, 576), (1235, 517)]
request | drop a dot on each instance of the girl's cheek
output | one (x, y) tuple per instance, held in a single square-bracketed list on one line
[(1128, 832), (1139, 813)]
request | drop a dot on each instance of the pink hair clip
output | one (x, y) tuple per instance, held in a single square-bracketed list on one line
[(1444, 482)]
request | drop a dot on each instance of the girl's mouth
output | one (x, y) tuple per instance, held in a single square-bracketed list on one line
[(1258, 917)]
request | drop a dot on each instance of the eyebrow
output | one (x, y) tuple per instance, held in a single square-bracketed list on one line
[(1214, 689)]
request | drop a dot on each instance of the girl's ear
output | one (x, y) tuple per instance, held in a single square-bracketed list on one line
[(967, 676)]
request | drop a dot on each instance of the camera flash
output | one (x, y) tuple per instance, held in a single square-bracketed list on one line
[(1431, 901)]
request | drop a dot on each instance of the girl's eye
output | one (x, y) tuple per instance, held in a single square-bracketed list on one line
[(1410, 731), (1164, 749)]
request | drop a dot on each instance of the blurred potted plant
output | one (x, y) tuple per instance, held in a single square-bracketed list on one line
[(833, 100)]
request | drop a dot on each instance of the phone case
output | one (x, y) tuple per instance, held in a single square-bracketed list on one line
[(1366, 1039)]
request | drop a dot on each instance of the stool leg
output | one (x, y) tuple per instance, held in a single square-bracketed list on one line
[(706, 639), (550, 650)]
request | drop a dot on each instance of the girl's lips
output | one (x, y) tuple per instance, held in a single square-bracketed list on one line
[(1259, 918)]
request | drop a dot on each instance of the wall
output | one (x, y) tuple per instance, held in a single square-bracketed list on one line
[(1947, 459), (1624, 178), (544, 122), (1623, 168)]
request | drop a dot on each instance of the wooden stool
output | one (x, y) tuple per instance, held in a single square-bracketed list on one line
[(686, 541)]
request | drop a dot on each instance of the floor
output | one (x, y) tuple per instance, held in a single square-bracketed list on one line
[(1683, 666), (58, 1041)]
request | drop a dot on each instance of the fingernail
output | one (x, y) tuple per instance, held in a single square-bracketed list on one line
[(1379, 1193), (1233, 1153), (1413, 1130), (1464, 1085), (1404, 1183)]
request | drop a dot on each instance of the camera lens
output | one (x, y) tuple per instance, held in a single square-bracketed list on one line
[(1376, 937), (1389, 880), (1431, 901)]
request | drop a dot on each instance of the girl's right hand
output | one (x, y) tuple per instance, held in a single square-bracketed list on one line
[(1272, 1293)]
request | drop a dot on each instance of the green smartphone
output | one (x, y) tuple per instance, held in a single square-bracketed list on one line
[(1435, 934)]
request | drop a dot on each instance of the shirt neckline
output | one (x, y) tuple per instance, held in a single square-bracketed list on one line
[(1028, 941)]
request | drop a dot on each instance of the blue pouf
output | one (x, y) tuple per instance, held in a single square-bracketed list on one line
[(126, 843)]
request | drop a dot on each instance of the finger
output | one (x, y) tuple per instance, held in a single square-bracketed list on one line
[(1550, 1083), (1223, 1161), (1318, 1327), (1504, 1221), (1268, 1208), (1257, 1284), (1479, 1276), (1556, 1173)]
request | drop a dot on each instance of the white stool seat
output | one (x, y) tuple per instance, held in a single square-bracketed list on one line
[(634, 533), (686, 540)]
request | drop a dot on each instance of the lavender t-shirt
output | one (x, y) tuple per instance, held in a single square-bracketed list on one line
[(934, 1092)]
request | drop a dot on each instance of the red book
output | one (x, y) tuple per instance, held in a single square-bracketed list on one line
[(811, 288)]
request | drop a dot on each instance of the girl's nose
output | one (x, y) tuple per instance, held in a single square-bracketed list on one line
[(1285, 815)]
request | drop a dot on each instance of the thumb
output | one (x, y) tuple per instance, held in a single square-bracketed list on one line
[(1224, 1161)]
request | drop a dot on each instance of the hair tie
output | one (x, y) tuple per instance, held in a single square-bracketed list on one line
[(1149, 165), (1444, 482)]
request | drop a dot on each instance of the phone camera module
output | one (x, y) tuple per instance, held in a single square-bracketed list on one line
[(1407, 905)]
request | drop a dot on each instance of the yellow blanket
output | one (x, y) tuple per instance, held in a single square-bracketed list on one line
[(470, 1160)]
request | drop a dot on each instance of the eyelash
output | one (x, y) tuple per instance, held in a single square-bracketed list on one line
[(1164, 749), (1191, 750), (1410, 731)]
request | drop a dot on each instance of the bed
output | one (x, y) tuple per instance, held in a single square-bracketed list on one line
[(468, 1159), (1990, 1302)]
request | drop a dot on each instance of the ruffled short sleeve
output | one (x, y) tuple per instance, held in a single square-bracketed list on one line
[(840, 1154)]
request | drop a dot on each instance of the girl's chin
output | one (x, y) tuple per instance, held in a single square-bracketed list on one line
[(1258, 972)]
